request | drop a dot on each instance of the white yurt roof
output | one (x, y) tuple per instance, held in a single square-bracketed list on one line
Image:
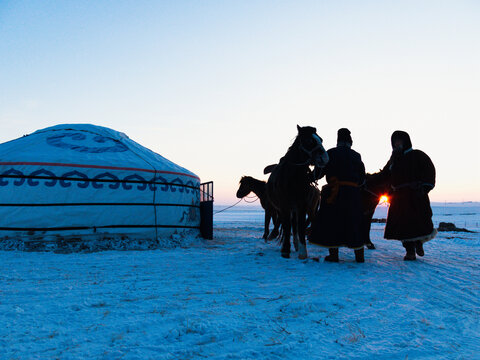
[(84, 181)]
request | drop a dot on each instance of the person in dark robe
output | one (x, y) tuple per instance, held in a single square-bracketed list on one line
[(412, 175), (339, 220)]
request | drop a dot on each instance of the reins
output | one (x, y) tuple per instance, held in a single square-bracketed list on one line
[(238, 202), (216, 212), (255, 197), (308, 153), (307, 162), (371, 192)]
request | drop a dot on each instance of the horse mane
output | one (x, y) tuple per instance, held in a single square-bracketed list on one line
[(296, 141), (251, 179), (289, 150)]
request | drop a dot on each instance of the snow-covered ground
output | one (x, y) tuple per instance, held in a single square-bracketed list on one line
[(235, 298)]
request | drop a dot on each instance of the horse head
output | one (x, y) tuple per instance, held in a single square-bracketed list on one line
[(375, 186), (377, 183), (247, 185), (243, 189), (311, 146)]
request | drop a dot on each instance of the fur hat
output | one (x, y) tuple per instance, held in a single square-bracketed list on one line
[(404, 137), (343, 135)]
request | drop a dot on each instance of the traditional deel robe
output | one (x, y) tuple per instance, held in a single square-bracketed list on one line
[(339, 219), (412, 176)]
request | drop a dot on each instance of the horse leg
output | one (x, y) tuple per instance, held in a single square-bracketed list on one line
[(366, 226), (370, 245), (286, 228), (267, 225), (276, 226), (311, 214), (294, 230), (300, 218)]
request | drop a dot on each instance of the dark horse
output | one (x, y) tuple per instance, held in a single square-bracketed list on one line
[(375, 186), (249, 184), (289, 184)]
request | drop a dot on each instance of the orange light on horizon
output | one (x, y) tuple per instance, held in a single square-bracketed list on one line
[(384, 199)]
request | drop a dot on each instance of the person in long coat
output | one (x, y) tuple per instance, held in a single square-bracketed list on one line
[(412, 176), (339, 219)]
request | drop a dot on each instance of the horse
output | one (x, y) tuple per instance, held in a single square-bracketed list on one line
[(249, 184), (313, 201), (288, 186), (375, 186)]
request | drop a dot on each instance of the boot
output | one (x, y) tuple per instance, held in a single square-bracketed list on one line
[(333, 257), (419, 248), (359, 256), (410, 247)]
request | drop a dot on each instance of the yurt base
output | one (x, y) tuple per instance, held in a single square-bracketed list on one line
[(97, 242), (81, 187)]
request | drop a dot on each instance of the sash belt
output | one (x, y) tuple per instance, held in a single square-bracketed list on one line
[(335, 184)]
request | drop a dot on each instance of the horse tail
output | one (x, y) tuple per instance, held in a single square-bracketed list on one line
[(279, 237)]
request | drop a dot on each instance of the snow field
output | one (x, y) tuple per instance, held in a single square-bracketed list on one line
[(235, 298)]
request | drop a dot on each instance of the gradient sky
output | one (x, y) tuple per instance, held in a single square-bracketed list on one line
[(219, 86)]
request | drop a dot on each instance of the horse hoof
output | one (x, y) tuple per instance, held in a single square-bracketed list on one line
[(272, 236), (286, 255), (302, 256)]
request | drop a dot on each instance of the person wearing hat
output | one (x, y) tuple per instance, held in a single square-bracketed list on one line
[(338, 221), (411, 174)]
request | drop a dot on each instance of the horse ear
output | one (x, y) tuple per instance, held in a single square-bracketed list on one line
[(299, 128)]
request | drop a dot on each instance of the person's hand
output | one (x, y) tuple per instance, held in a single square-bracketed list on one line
[(396, 154)]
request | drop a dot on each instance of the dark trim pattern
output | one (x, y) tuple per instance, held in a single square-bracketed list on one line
[(98, 181)]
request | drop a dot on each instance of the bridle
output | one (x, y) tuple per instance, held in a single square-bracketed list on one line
[(309, 153), (371, 193)]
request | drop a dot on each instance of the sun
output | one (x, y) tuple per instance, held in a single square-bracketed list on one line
[(384, 199)]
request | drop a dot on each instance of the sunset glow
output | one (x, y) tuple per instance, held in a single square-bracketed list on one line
[(384, 199)]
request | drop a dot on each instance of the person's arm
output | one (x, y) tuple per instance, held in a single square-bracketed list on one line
[(361, 171), (384, 174), (427, 173), (317, 173), (320, 172)]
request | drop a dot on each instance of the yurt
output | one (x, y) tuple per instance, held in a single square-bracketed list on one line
[(88, 186)]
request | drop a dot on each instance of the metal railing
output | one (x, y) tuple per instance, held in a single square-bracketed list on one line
[(206, 191)]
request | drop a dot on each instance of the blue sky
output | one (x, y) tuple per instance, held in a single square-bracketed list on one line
[(219, 86)]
